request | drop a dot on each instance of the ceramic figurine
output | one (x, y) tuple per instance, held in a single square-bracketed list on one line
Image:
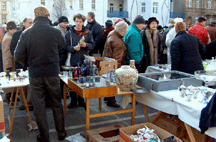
[(126, 78)]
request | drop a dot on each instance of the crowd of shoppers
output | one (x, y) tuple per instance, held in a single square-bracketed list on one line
[(44, 48)]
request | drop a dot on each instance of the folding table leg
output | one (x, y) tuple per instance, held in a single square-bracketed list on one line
[(100, 104), (134, 109), (65, 102), (11, 123), (12, 95), (26, 105), (190, 132), (156, 117), (145, 113), (87, 114)]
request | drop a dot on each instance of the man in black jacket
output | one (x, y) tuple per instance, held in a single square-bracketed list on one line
[(27, 22), (38, 49), (78, 50), (97, 33)]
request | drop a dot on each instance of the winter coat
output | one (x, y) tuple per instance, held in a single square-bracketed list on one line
[(38, 48), (186, 52), (212, 32), (200, 32), (97, 33), (8, 60), (170, 36), (78, 56), (115, 47), (210, 50), (208, 115), (13, 45), (152, 46), (133, 41), (106, 33)]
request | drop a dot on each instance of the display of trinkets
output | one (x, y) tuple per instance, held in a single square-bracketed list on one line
[(145, 135)]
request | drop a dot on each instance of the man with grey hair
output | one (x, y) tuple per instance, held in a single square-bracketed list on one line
[(27, 22), (115, 48)]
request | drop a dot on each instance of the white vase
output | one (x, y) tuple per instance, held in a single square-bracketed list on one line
[(126, 78)]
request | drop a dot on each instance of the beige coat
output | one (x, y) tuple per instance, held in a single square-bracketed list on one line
[(8, 60)]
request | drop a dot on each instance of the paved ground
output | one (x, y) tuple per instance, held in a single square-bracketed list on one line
[(74, 121)]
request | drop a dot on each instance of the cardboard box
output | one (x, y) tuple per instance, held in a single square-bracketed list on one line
[(105, 66), (125, 132), (1, 110), (172, 124), (104, 134)]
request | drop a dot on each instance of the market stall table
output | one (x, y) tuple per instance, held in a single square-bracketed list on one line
[(100, 89), (170, 102), (18, 86)]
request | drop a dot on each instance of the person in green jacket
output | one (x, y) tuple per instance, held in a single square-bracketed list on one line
[(133, 41)]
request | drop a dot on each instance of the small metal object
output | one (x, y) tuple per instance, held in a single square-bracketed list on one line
[(139, 90)]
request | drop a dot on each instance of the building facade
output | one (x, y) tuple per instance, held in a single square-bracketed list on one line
[(197, 8), (103, 9), (4, 12)]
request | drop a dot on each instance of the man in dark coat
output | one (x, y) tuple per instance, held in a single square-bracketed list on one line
[(210, 50), (78, 50), (38, 49), (186, 51), (97, 33), (27, 22)]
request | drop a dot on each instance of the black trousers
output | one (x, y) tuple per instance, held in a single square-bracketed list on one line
[(40, 87)]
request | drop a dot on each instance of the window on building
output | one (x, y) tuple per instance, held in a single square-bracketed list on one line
[(4, 19), (143, 7), (54, 2), (93, 4), (43, 2), (71, 4), (203, 4), (80, 4), (120, 7), (155, 7), (190, 3), (111, 6), (3, 6), (197, 3), (209, 4)]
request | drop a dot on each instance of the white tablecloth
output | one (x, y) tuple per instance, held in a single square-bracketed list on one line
[(170, 102)]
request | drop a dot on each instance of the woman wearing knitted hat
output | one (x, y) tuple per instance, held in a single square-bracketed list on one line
[(151, 42)]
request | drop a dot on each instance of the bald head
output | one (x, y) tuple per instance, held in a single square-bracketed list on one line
[(121, 27), (27, 22)]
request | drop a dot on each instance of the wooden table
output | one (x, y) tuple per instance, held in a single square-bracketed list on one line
[(100, 91), (18, 86)]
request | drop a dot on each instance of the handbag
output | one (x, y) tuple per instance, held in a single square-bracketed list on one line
[(67, 63)]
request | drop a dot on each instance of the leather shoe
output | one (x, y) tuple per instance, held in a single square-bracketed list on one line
[(61, 137), (82, 104), (39, 139), (7, 98), (113, 105), (30, 108), (22, 107), (71, 105)]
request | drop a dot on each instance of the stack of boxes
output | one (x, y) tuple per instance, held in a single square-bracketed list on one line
[(2, 123)]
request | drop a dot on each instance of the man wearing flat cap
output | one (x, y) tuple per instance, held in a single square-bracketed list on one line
[(133, 41), (38, 49)]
